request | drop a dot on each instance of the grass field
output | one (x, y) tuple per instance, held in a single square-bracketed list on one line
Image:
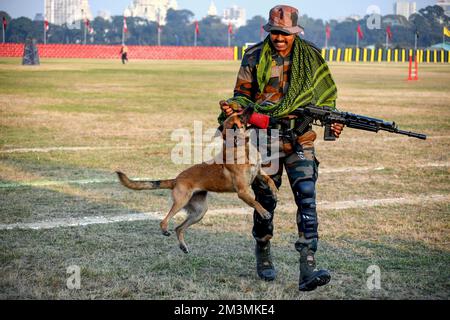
[(68, 124)]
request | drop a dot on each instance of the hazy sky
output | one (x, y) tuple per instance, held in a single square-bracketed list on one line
[(324, 9)]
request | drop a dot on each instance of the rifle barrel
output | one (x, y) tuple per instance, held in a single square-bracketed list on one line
[(412, 134)]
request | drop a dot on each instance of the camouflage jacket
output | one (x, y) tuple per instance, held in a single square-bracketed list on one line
[(247, 84)]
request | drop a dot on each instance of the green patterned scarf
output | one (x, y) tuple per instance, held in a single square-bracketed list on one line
[(310, 82)]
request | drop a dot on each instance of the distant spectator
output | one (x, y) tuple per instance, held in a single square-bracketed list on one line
[(124, 53)]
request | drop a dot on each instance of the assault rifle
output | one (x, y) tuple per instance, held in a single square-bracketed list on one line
[(325, 116)]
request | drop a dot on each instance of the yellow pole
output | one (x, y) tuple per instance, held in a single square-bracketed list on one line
[(331, 55), (338, 57), (365, 55), (323, 53), (396, 55), (235, 53), (403, 55), (442, 56), (357, 54), (380, 55)]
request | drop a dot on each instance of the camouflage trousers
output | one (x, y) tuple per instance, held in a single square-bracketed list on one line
[(302, 174)]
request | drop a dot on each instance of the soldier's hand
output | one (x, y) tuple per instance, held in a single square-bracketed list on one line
[(337, 128), (226, 108)]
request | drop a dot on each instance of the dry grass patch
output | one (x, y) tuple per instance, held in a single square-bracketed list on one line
[(90, 103)]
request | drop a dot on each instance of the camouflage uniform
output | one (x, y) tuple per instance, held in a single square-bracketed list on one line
[(302, 174), (301, 170)]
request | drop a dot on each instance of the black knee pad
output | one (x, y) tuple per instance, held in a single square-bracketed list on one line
[(305, 189), (267, 201), (263, 228), (263, 194), (305, 197)]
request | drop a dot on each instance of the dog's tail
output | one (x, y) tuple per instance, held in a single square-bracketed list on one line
[(145, 185)]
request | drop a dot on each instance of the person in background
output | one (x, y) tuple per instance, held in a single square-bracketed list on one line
[(124, 53)]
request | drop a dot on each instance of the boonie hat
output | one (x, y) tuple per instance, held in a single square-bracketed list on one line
[(283, 18)]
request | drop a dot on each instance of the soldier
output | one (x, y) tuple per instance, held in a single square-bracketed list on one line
[(267, 76), (124, 53)]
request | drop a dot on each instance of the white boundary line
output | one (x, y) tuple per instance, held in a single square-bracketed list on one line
[(53, 149), (322, 205), (75, 149), (81, 148), (48, 183)]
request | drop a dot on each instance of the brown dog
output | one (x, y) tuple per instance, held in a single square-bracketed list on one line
[(190, 187)]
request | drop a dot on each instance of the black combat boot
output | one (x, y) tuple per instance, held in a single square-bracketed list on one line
[(310, 277), (264, 266)]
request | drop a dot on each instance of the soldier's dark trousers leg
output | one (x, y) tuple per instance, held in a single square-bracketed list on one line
[(305, 198), (263, 229), (303, 174)]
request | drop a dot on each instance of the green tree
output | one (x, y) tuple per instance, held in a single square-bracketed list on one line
[(19, 29), (213, 32), (101, 28), (314, 30), (251, 32), (178, 31)]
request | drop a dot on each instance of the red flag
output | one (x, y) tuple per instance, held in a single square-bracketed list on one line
[(4, 23), (360, 32), (230, 28), (87, 23), (197, 29), (389, 32), (125, 28), (328, 32), (46, 24)]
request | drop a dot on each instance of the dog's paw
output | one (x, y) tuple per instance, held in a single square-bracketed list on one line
[(184, 248), (166, 233), (266, 215)]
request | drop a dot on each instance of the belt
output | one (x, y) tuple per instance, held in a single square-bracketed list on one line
[(284, 124), (290, 130), (293, 124)]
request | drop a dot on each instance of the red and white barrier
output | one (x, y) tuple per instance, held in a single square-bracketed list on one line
[(113, 52)]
